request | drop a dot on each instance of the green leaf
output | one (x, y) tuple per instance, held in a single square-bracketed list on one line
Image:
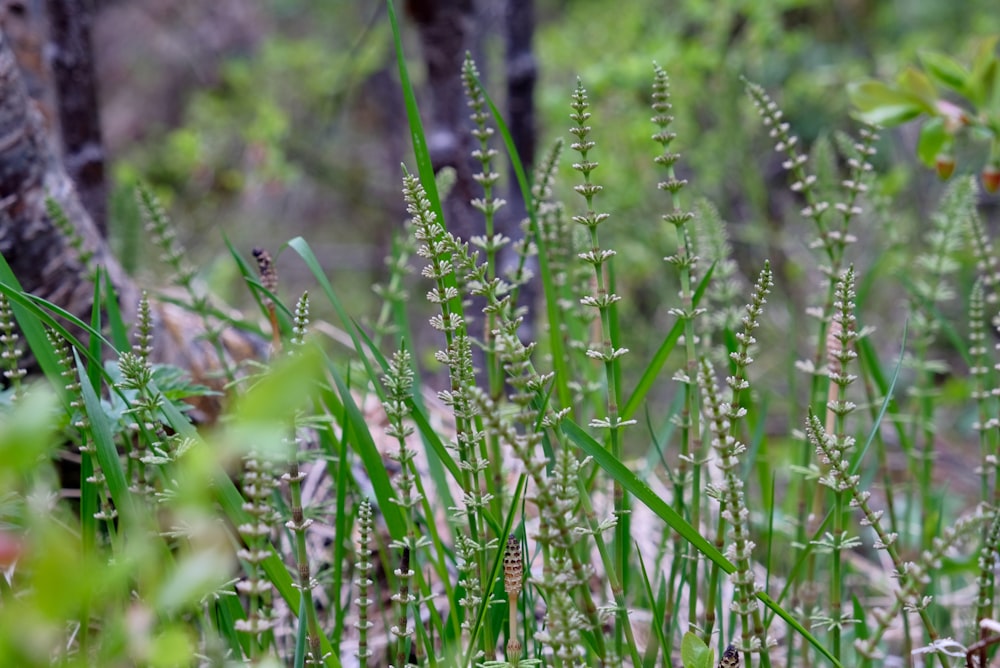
[(195, 576), (933, 138), (27, 434), (262, 416), (983, 85), (694, 652), (871, 94), (890, 116), (880, 104), (945, 71), (982, 82), (107, 451), (914, 82)]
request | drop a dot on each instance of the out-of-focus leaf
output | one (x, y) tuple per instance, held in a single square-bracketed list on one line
[(933, 138), (890, 115), (27, 434), (196, 576), (263, 415), (983, 79), (871, 94), (946, 71), (880, 104), (914, 82)]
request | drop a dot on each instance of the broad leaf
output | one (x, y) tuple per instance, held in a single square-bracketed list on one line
[(880, 104), (913, 82), (694, 652), (946, 71), (933, 138)]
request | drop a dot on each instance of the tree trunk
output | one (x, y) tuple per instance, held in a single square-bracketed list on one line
[(522, 74), (41, 258), (72, 60)]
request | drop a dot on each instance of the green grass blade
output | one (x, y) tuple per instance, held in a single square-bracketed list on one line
[(425, 168), (300, 246), (33, 307), (107, 452), (251, 276), (94, 371), (630, 481), (228, 611)]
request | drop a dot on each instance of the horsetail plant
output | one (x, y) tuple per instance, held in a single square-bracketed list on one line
[(174, 255), (445, 257), (931, 290), (258, 484), (105, 510), (979, 370), (685, 262), (987, 263), (403, 599), (734, 511), (733, 412), (711, 245), (10, 351), (558, 532), (570, 280), (986, 583), (491, 243), (513, 582), (912, 577), (398, 382), (609, 353), (842, 336), (363, 566), (71, 234), (269, 280), (299, 523), (833, 240), (137, 375)]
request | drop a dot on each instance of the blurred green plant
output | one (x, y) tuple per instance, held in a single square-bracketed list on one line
[(929, 92)]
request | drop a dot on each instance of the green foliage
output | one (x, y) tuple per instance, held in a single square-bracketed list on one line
[(929, 92), (695, 653)]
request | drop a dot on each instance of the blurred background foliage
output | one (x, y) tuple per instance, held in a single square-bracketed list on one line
[(297, 128)]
